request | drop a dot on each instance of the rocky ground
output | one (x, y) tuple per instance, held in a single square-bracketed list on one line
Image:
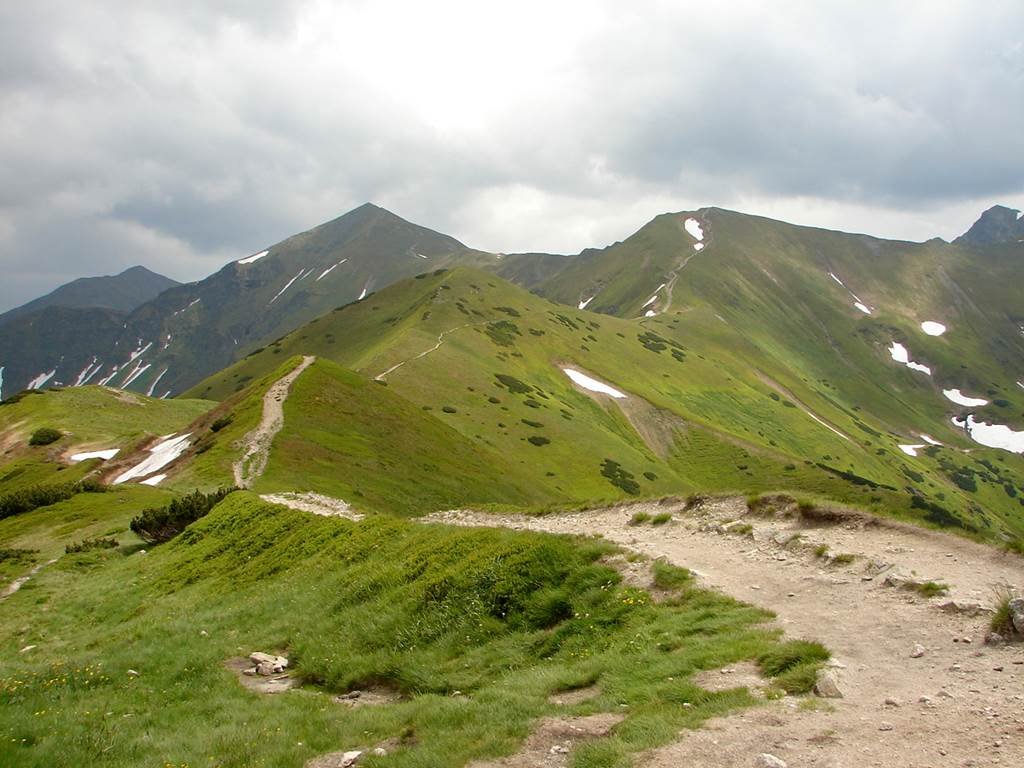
[(919, 685)]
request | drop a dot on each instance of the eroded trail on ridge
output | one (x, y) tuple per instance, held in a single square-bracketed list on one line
[(440, 340), (959, 703), (256, 444)]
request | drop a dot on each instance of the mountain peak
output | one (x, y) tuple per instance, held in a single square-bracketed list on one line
[(999, 224)]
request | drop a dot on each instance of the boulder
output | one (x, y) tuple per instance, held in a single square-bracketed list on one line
[(964, 608), (268, 664), (917, 652), (766, 760), (827, 685), (1016, 606)]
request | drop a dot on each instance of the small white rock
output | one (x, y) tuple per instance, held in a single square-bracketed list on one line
[(766, 760), (918, 651)]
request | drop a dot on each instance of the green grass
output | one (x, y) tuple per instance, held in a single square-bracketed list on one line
[(504, 617), (928, 589), (1001, 620)]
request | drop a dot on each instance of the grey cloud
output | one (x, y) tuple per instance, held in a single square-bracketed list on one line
[(181, 136)]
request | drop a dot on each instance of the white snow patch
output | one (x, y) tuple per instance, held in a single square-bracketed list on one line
[(1, 382), (833, 276), (992, 435), (254, 257), (160, 455), (583, 304), (286, 287), (330, 269), (187, 306), (1019, 383), (107, 454), (363, 294), (960, 398), (910, 450), (94, 371), (650, 313), (104, 382), (149, 392), (140, 350), (694, 228), (862, 307), (80, 379), (928, 439), (422, 256), (592, 384), (650, 301), (698, 246), (933, 328), (154, 480), (41, 379), (901, 355), (826, 425)]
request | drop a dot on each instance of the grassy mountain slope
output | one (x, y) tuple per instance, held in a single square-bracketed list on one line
[(90, 419), (127, 664), (708, 409)]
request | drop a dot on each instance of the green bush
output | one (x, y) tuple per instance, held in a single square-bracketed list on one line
[(86, 545), (45, 436), (35, 496), (640, 517), (661, 518), (222, 422), (538, 440), (159, 524)]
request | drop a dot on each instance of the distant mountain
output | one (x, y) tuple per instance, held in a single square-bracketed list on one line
[(191, 331), (998, 224), (124, 292)]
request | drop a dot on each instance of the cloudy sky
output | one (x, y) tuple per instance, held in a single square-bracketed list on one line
[(183, 135)]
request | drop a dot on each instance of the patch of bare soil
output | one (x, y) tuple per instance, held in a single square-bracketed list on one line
[(551, 743), (744, 674), (574, 697), (372, 697), (958, 702), (258, 683)]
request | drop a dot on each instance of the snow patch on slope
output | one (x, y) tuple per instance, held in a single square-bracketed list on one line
[(910, 450), (992, 435), (960, 398), (862, 307), (254, 257), (106, 454), (593, 385), (41, 379), (583, 304), (160, 455), (328, 271), (933, 328), (287, 286), (900, 354), (693, 227), (149, 392)]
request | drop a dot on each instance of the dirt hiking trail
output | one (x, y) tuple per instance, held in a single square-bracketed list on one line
[(256, 443), (954, 701)]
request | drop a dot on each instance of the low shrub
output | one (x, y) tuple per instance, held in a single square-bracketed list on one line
[(36, 496), (1002, 620), (86, 545), (157, 525), (661, 518), (640, 517), (222, 422), (45, 436), (538, 440)]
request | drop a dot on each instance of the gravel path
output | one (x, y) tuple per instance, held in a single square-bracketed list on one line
[(257, 442), (961, 703)]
